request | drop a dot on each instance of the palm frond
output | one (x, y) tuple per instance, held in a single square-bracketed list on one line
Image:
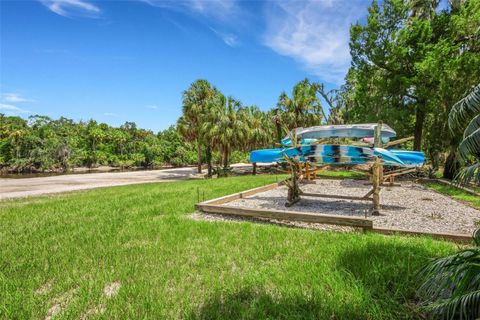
[(472, 126), (470, 146), (450, 286), (466, 306), (469, 173), (464, 110)]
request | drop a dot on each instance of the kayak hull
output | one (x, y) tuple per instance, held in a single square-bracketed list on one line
[(340, 154), (342, 131)]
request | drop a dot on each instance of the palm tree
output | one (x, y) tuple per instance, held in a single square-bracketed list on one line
[(227, 127), (304, 108), (465, 116), (260, 128), (450, 286), (195, 106)]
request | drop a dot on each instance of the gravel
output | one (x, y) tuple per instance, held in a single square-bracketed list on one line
[(410, 206)]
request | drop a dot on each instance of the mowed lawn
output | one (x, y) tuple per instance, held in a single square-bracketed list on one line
[(133, 252)]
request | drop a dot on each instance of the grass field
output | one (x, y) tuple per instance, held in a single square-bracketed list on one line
[(133, 252)]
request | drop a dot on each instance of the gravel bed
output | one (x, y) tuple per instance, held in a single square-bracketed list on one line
[(410, 206)]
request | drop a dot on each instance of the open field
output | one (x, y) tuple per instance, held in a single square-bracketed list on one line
[(132, 252)]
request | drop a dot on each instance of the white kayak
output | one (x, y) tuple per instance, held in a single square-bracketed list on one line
[(342, 131)]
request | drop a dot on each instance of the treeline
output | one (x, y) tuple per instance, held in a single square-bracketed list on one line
[(41, 143), (410, 64), (214, 122), (214, 129)]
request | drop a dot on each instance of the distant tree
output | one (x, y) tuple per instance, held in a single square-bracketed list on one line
[(195, 107), (227, 127), (303, 108)]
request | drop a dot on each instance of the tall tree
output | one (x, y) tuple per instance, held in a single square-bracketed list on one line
[(195, 106), (303, 108), (410, 64), (227, 127)]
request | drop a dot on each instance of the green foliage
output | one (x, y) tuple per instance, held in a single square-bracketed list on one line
[(465, 115), (451, 285), (42, 143), (410, 64), (303, 108)]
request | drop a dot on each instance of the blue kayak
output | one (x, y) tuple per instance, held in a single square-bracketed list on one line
[(340, 154)]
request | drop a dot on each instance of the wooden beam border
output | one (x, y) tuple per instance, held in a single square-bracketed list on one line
[(216, 206), (455, 237), (288, 215)]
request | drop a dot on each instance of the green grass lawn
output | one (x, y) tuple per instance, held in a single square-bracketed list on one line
[(61, 251), (455, 193)]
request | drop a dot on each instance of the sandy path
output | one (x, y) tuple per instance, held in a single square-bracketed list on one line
[(15, 188)]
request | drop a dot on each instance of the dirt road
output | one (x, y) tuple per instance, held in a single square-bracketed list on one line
[(15, 188)]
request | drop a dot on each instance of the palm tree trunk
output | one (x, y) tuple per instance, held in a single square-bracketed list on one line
[(199, 158), (225, 158), (208, 155)]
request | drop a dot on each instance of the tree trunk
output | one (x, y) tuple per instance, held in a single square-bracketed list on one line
[(209, 160), (279, 133), (451, 165), (199, 158), (225, 159), (419, 120)]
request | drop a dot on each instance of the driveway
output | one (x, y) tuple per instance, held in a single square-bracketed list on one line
[(16, 188)]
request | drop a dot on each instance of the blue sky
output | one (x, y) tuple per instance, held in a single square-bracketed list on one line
[(117, 61)]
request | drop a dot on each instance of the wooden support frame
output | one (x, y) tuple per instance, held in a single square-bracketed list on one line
[(217, 206), (288, 215)]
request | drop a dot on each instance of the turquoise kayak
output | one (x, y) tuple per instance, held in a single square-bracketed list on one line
[(340, 154)]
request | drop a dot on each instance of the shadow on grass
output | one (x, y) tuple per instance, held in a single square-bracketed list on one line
[(382, 275), (255, 304), (388, 272)]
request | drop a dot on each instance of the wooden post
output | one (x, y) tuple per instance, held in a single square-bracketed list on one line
[(292, 183), (376, 168), (307, 170), (254, 170), (377, 136)]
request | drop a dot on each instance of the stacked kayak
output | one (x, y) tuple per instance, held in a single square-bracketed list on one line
[(341, 131), (340, 154)]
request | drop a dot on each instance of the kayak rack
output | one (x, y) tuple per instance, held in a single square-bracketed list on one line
[(302, 172)]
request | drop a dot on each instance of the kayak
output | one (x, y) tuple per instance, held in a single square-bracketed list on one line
[(410, 158), (340, 154), (342, 131)]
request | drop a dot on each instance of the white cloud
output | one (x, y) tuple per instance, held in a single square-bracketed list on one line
[(314, 33), (11, 110), (152, 107), (229, 39), (218, 9), (70, 8), (221, 13), (110, 114), (15, 97)]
